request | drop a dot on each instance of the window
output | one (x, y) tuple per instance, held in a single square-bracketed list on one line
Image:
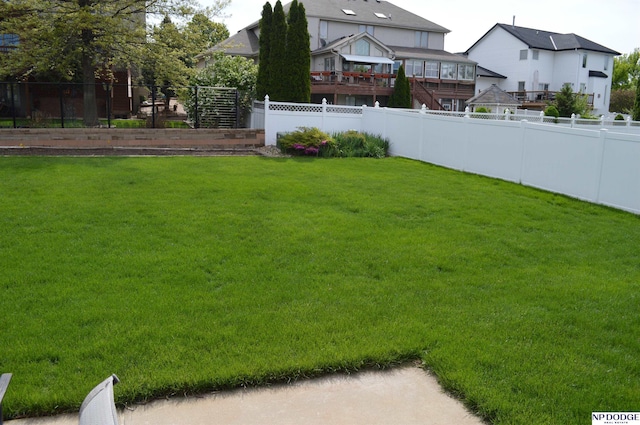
[(583, 88), (381, 15), (329, 64), (432, 70), (8, 40), (535, 54), (465, 72), (606, 63), (414, 67), (524, 54), (349, 12), (363, 48), (521, 85), (584, 60), (422, 39), (543, 87), (366, 28), (448, 71), (324, 30)]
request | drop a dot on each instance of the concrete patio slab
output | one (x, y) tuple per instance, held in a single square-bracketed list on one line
[(406, 395)]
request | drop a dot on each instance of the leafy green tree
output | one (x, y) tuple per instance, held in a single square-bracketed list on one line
[(264, 78), (164, 62), (622, 100), (200, 34), (278, 60), (298, 75), (170, 53), (77, 40), (226, 71), (401, 97), (626, 70)]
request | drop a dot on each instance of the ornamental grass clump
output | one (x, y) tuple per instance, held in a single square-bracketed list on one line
[(355, 144), (313, 142), (309, 141)]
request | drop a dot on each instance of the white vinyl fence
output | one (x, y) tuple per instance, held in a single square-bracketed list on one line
[(589, 162)]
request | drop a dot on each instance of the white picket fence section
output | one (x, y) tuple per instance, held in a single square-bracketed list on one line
[(588, 162)]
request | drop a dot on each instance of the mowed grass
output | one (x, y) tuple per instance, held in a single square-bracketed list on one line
[(186, 275)]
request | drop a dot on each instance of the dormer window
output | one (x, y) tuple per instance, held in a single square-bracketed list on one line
[(349, 12), (369, 29), (422, 39)]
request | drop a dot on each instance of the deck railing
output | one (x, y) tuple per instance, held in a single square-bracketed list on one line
[(352, 78), (543, 96)]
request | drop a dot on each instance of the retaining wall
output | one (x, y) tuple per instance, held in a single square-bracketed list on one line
[(138, 138)]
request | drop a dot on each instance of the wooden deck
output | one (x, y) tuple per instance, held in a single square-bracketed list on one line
[(538, 100), (426, 91)]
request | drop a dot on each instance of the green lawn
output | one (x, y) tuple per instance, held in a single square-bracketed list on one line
[(192, 274)]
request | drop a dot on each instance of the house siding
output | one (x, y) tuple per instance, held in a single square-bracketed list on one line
[(499, 51)]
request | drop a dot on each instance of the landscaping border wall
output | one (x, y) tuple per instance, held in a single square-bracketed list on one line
[(133, 138)]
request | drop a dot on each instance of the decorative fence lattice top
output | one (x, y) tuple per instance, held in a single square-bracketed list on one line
[(344, 110), (295, 107)]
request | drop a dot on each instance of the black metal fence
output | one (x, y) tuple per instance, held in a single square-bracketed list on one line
[(34, 104)]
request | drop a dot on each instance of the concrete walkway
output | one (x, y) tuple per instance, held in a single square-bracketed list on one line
[(406, 395)]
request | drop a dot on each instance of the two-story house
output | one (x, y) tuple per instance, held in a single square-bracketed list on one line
[(357, 46), (534, 64)]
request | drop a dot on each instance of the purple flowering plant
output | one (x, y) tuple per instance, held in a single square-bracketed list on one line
[(307, 141)]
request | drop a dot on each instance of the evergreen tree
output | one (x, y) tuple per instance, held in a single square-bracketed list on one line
[(299, 82), (278, 63), (401, 97), (264, 78), (636, 107), (566, 101)]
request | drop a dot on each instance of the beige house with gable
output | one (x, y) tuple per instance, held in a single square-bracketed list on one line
[(357, 47)]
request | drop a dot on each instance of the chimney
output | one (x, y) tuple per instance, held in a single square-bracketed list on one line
[(513, 24)]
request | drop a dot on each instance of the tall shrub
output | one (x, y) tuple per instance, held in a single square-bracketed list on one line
[(401, 97), (264, 78), (278, 60), (299, 83), (565, 101)]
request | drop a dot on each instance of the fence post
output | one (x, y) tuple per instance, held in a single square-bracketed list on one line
[(466, 112), (13, 106), (324, 112), (60, 95), (267, 129), (109, 106), (541, 115), (153, 106), (629, 121), (573, 120), (196, 124), (237, 108)]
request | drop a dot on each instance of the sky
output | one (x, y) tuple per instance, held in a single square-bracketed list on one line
[(614, 24)]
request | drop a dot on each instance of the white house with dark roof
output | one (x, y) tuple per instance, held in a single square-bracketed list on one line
[(535, 64), (357, 47)]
